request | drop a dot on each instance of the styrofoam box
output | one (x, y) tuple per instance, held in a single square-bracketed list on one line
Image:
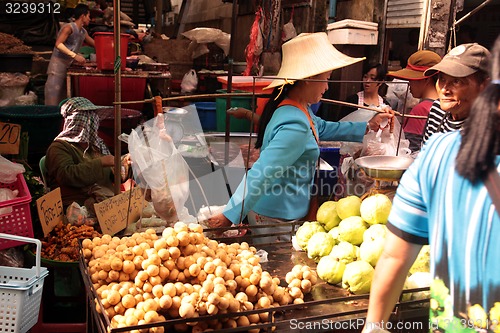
[(353, 36)]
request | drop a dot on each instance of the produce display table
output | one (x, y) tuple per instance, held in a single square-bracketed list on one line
[(327, 308)]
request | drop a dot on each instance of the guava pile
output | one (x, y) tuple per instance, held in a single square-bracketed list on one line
[(347, 240)]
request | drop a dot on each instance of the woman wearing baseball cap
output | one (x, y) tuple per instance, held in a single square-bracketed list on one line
[(422, 87)]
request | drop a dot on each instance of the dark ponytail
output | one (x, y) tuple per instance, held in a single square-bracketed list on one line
[(271, 106), (481, 131)]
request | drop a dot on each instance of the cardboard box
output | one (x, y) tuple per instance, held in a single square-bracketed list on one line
[(353, 36)]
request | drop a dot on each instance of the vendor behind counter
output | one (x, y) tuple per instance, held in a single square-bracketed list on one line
[(78, 161)]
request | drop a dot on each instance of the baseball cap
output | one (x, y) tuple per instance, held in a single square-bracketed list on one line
[(462, 61), (417, 64)]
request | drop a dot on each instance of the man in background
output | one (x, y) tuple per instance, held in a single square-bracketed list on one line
[(68, 43), (462, 75)]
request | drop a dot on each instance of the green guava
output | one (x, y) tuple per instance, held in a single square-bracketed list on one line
[(349, 206), (358, 277), (319, 245), (478, 316), (352, 229), (371, 250), (495, 316), (334, 232), (330, 269), (422, 263), (344, 252), (376, 208), (306, 231), (375, 232), (327, 215), (420, 280)]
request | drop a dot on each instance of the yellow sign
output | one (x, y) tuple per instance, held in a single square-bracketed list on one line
[(9, 138), (116, 213), (50, 210)]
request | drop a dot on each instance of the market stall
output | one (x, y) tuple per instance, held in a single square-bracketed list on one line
[(324, 307)]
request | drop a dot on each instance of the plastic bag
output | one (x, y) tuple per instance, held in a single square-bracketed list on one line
[(9, 170), (289, 31), (12, 257), (6, 195), (26, 99), (158, 165), (210, 35), (189, 81), (76, 214), (386, 143)]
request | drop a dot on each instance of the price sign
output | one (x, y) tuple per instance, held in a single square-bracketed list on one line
[(50, 210), (112, 213), (9, 138)]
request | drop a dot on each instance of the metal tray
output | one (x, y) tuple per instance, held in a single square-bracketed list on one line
[(384, 167), (326, 308)]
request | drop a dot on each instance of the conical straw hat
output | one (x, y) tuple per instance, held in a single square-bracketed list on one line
[(307, 55)]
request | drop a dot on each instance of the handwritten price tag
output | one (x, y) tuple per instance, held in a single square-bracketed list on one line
[(9, 138), (50, 210), (112, 213)]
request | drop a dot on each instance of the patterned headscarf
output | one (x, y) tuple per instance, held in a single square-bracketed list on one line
[(81, 123)]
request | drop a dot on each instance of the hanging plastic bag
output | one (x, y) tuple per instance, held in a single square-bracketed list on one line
[(9, 170), (189, 82), (289, 31), (159, 166), (385, 142)]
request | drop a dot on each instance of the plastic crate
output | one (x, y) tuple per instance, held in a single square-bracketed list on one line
[(21, 292), (18, 222)]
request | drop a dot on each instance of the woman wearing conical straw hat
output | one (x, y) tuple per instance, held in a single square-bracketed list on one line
[(278, 187)]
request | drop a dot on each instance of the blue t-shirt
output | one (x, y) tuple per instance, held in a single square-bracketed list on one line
[(435, 204), (279, 183)]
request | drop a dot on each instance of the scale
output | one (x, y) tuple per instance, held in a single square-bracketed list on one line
[(386, 171), (173, 123)]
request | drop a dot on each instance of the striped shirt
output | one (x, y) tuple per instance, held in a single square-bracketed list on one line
[(434, 204), (439, 122)]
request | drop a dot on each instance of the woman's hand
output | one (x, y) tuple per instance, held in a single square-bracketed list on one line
[(240, 113), (219, 221), (382, 120), (107, 160), (80, 59)]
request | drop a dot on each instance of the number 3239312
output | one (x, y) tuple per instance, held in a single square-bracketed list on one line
[(31, 8)]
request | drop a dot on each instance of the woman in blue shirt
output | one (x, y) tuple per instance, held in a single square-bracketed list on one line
[(278, 186)]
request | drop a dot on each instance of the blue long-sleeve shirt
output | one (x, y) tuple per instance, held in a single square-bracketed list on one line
[(279, 182)]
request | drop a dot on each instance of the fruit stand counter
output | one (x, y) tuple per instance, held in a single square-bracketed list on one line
[(327, 308)]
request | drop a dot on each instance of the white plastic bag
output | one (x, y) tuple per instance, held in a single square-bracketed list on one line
[(6, 195), (289, 31), (9, 170), (189, 82), (158, 165)]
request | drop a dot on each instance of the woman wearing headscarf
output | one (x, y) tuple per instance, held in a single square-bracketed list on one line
[(78, 161), (278, 186)]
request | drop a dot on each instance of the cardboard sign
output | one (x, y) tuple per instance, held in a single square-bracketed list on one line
[(10, 135), (50, 210), (112, 213)]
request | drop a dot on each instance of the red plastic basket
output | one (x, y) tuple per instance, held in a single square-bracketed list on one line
[(18, 222)]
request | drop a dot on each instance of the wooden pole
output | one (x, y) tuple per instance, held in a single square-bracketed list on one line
[(118, 96)]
